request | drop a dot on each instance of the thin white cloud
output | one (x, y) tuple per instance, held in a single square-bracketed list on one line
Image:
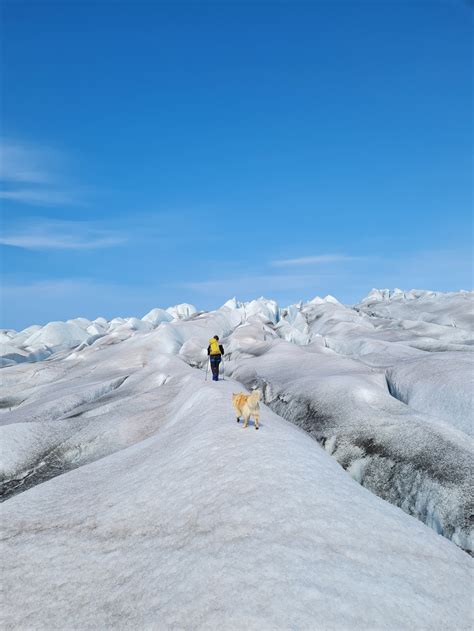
[(60, 235), (256, 284), (40, 197), (31, 174), (314, 260), (47, 287), (20, 162)]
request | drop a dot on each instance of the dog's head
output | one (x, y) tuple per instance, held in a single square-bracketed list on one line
[(256, 394)]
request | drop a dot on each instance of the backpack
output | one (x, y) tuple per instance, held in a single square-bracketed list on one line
[(214, 344)]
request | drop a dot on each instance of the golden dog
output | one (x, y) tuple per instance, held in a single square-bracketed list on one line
[(246, 405)]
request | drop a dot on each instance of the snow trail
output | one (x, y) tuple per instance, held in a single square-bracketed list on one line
[(206, 525), (145, 505)]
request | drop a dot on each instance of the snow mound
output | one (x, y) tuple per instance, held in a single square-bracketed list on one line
[(57, 335), (267, 310), (156, 316), (408, 457), (232, 304), (11, 355), (384, 386), (441, 384), (182, 311), (81, 322), (20, 337), (453, 309), (172, 507)]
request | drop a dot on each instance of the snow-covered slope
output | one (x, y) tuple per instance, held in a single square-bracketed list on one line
[(37, 343), (453, 309), (408, 457), (183, 519), (134, 499)]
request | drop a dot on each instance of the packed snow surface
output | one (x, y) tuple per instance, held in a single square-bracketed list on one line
[(135, 500)]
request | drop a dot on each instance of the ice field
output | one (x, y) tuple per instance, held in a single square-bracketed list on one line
[(133, 499)]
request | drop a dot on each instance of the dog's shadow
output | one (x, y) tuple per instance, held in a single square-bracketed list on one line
[(251, 423)]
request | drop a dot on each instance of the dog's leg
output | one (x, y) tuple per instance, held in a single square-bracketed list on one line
[(246, 421), (257, 420), (238, 419)]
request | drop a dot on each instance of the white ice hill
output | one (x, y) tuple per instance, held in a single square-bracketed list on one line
[(135, 501)]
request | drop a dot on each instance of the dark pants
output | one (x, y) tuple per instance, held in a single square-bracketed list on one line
[(215, 361)]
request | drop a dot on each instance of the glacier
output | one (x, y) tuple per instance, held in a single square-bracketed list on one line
[(134, 500)]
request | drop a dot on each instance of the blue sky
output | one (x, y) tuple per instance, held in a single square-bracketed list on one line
[(155, 153)]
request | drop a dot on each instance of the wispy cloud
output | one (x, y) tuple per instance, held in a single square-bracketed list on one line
[(256, 284), (39, 197), (314, 260), (60, 235), (30, 174), (20, 162)]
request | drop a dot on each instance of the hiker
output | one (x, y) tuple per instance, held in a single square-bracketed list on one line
[(215, 352)]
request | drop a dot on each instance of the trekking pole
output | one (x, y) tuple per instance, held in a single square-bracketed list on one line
[(207, 368), (223, 372)]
